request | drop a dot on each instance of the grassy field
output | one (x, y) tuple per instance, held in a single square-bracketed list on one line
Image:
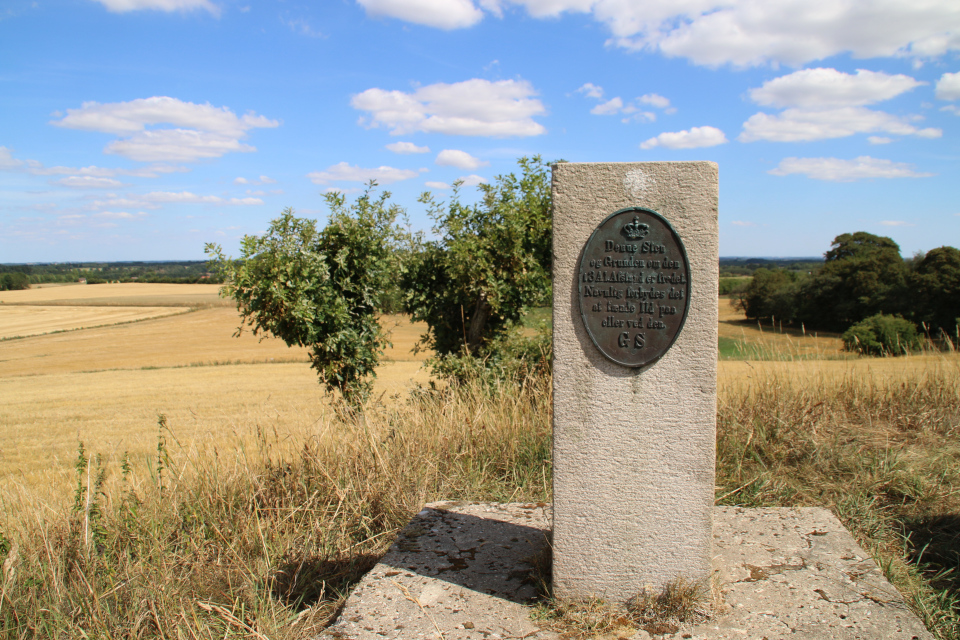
[(255, 505)]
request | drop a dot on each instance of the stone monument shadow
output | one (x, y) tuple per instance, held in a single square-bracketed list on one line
[(483, 554)]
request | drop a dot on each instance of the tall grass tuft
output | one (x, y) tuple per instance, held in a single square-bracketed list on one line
[(264, 541)]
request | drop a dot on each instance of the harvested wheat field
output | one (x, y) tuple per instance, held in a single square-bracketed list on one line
[(128, 294), (106, 385), (34, 320)]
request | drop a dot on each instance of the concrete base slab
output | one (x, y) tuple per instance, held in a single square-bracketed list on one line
[(463, 571)]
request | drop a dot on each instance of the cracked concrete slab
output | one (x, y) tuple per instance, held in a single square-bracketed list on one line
[(463, 571)]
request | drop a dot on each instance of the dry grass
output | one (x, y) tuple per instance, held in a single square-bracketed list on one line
[(34, 320), (743, 339), (122, 295), (264, 540)]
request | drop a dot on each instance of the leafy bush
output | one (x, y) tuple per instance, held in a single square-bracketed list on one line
[(491, 262), (320, 289), (882, 335)]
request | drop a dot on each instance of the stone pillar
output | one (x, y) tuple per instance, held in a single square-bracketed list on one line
[(634, 444)]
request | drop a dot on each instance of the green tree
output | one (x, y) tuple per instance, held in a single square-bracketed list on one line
[(13, 281), (935, 289), (771, 293), (320, 289), (490, 262), (862, 275)]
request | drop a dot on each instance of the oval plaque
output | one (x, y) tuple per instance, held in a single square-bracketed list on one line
[(634, 284)]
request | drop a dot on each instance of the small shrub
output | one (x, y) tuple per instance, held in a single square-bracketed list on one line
[(882, 335)]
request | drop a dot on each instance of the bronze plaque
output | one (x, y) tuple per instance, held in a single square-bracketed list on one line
[(634, 283)]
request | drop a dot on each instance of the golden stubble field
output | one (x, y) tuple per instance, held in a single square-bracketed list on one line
[(106, 385)]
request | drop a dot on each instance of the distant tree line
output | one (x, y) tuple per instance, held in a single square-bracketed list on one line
[(191, 271), (863, 277)]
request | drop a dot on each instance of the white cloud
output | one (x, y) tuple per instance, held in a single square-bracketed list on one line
[(655, 100), (436, 185), (7, 161), (744, 223), (404, 148), (442, 14), (120, 215), (756, 32), (89, 182), (186, 197), (200, 130), (801, 125), (694, 138), (822, 88), (472, 180), (897, 223), (608, 108), (346, 173), (737, 32), (259, 181), (879, 140), (633, 110), (948, 86), (124, 6), (837, 170), (591, 91), (472, 108), (459, 159)]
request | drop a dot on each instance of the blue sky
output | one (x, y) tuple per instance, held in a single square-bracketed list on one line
[(141, 129)]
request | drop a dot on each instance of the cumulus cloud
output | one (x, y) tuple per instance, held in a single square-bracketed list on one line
[(199, 130), (442, 14), (591, 91), (436, 185), (736, 32), (156, 199), (693, 138), (634, 110), (655, 100), (405, 148), (803, 125), (821, 88), (7, 161), (743, 223), (459, 159), (258, 181), (186, 197), (608, 108), (124, 6), (879, 140), (471, 108), (120, 215), (948, 86), (837, 170), (344, 172), (89, 182), (471, 180)]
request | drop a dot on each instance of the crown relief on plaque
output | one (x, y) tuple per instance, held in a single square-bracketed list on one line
[(635, 230)]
